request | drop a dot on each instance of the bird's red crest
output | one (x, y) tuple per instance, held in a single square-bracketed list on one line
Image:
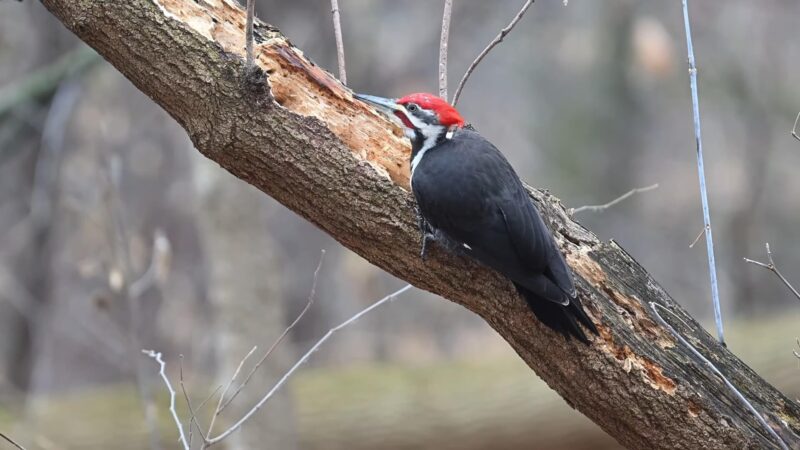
[(448, 115)]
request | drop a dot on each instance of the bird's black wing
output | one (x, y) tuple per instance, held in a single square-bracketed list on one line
[(484, 205), (522, 221)]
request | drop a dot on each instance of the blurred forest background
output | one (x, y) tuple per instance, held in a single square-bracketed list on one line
[(116, 235)]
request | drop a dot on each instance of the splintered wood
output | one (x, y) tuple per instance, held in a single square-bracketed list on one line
[(299, 85)]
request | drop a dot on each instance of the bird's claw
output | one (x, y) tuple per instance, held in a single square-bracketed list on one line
[(423, 250), (425, 230)]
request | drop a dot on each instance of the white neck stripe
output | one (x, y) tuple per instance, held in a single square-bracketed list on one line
[(427, 145)]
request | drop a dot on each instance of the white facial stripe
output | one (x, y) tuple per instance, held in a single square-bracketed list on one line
[(430, 141), (431, 132)]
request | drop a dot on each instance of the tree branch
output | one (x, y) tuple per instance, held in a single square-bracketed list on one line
[(248, 31), (498, 39), (337, 31), (605, 206), (277, 342), (162, 372), (334, 161), (443, 40), (301, 361), (701, 172), (12, 442), (772, 267)]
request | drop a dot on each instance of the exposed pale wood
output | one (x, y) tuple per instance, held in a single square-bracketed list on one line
[(301, 138)]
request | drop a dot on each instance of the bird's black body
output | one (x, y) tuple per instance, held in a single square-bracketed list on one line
[(469, 194), (471, 200)]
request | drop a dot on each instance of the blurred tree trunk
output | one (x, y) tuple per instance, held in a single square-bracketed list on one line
[(24, 239), (244, 290), (302, 139)]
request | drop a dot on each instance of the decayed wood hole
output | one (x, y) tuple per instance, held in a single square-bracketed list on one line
[(289, 73)]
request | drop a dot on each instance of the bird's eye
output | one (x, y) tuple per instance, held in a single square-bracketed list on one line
[(412, 107)]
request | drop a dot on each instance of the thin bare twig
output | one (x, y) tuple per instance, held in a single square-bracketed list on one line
[(192, 414), (300, 362), (712, 266), (218, 410), (11, 441), (654, 306), (772, 267), (443, 42), (248, 33), (697, 239), (498, 39), (794, 128), (283, 335), (596, 208), (337, 32), (162, 371)]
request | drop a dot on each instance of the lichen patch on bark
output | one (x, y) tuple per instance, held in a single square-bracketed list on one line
[(370, 136)]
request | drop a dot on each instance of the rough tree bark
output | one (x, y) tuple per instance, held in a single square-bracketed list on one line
[(298, 136)]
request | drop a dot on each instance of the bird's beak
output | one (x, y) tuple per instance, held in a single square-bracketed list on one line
[(387, 104)]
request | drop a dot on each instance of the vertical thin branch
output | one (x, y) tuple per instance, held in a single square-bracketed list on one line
[(794, 128), (498, 39), (443, 42), (337, 31), (162, 371), (712, 267), (251, 12), (303, 359)]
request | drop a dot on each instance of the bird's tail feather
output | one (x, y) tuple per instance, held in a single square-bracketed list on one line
[(563, 319)]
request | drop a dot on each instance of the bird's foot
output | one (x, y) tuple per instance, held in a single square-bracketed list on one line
[(423, 250)]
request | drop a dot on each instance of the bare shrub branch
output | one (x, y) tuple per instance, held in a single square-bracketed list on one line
[(794, 127), (192, 414), (303, 359), (11, 441), (772, 267), (283, 335), (218, 409), (604, 206), (498, 39), (162, 372)]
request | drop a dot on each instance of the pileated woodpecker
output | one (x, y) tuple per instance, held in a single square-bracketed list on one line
[(472, 202)]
